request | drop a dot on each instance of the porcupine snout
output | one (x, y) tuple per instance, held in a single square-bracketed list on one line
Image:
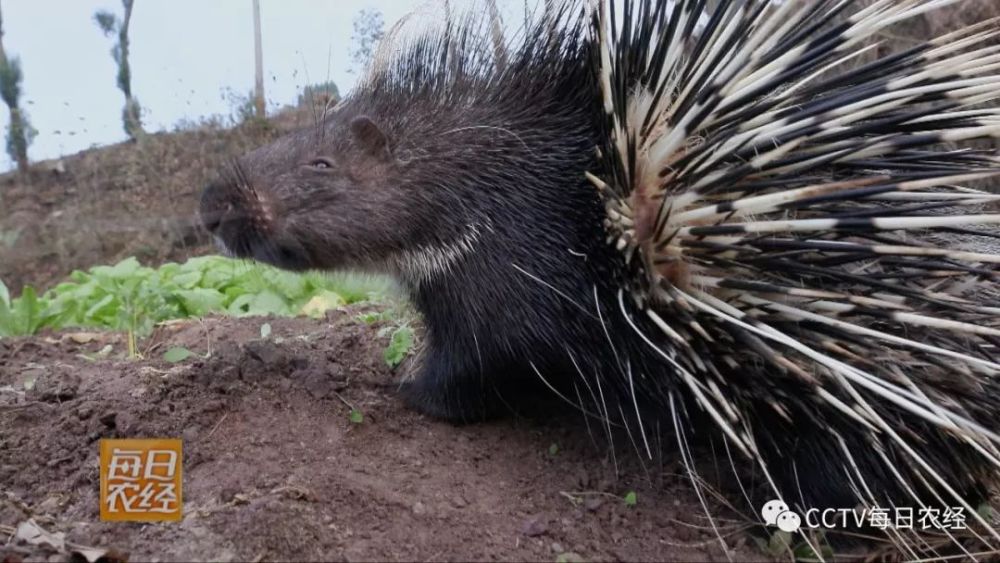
[(235, 216), (214, 207)]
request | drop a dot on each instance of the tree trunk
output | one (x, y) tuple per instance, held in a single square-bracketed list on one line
[(3, 54), (17, 128), (258, 59), (131, 115)]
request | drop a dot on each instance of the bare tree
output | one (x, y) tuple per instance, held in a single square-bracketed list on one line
[(20, 132), (258, 59), (110, 24), (368, 31)]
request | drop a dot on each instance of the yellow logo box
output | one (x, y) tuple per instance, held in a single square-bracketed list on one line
[(141, 480)]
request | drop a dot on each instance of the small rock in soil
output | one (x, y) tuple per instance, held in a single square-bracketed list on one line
[(267, 353), (535, 526), (85, 411), (317, 383), (190, 434), (212, 405), (56, 386)]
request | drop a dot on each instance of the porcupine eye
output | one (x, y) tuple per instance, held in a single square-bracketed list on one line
[(321, 164)]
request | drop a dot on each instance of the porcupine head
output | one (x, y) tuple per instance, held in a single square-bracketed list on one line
[(465, 181)]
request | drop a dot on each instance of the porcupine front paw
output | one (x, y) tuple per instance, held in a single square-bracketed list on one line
[(459, 401), (441, 389)]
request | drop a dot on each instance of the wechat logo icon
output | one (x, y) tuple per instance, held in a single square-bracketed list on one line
[(776, 513)]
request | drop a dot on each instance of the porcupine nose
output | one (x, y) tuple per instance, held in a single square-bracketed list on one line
[(214, 207)]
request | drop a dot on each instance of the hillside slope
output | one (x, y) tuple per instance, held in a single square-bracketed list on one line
[(129, 199)]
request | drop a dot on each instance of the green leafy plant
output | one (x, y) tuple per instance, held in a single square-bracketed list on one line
[(399, 346), (133, 298), (630, 498), (372, 317), (784, 545), (20, 316), (356, 416)]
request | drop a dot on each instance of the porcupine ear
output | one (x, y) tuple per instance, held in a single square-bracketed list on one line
[(370, 138)]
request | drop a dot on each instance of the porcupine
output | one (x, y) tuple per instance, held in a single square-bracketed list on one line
[(678, 215)]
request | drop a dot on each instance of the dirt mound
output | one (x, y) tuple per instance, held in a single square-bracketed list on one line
[(276, 468)]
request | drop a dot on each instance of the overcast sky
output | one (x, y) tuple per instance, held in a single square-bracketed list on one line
[(184, 54)]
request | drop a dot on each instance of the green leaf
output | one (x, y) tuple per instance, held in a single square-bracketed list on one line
[(356, 416), (985, 511), (205, 263), (129, 285), (187, 280), (353, 288), (265, 330), (373, 317), (368, 318), (26, 312), (239, 304), (780, 542), (267, 302), (399, 346), (221, 277), (177, 354), (804, 552), (103, 304), (287, 284), (169, 270), (200, 301), (126, 268), (6, 317), (321, 303), (553, 450), (630, 498), (6, 321), (79, 276)]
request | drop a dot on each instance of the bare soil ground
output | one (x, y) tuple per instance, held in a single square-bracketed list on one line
[(275, 469)]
